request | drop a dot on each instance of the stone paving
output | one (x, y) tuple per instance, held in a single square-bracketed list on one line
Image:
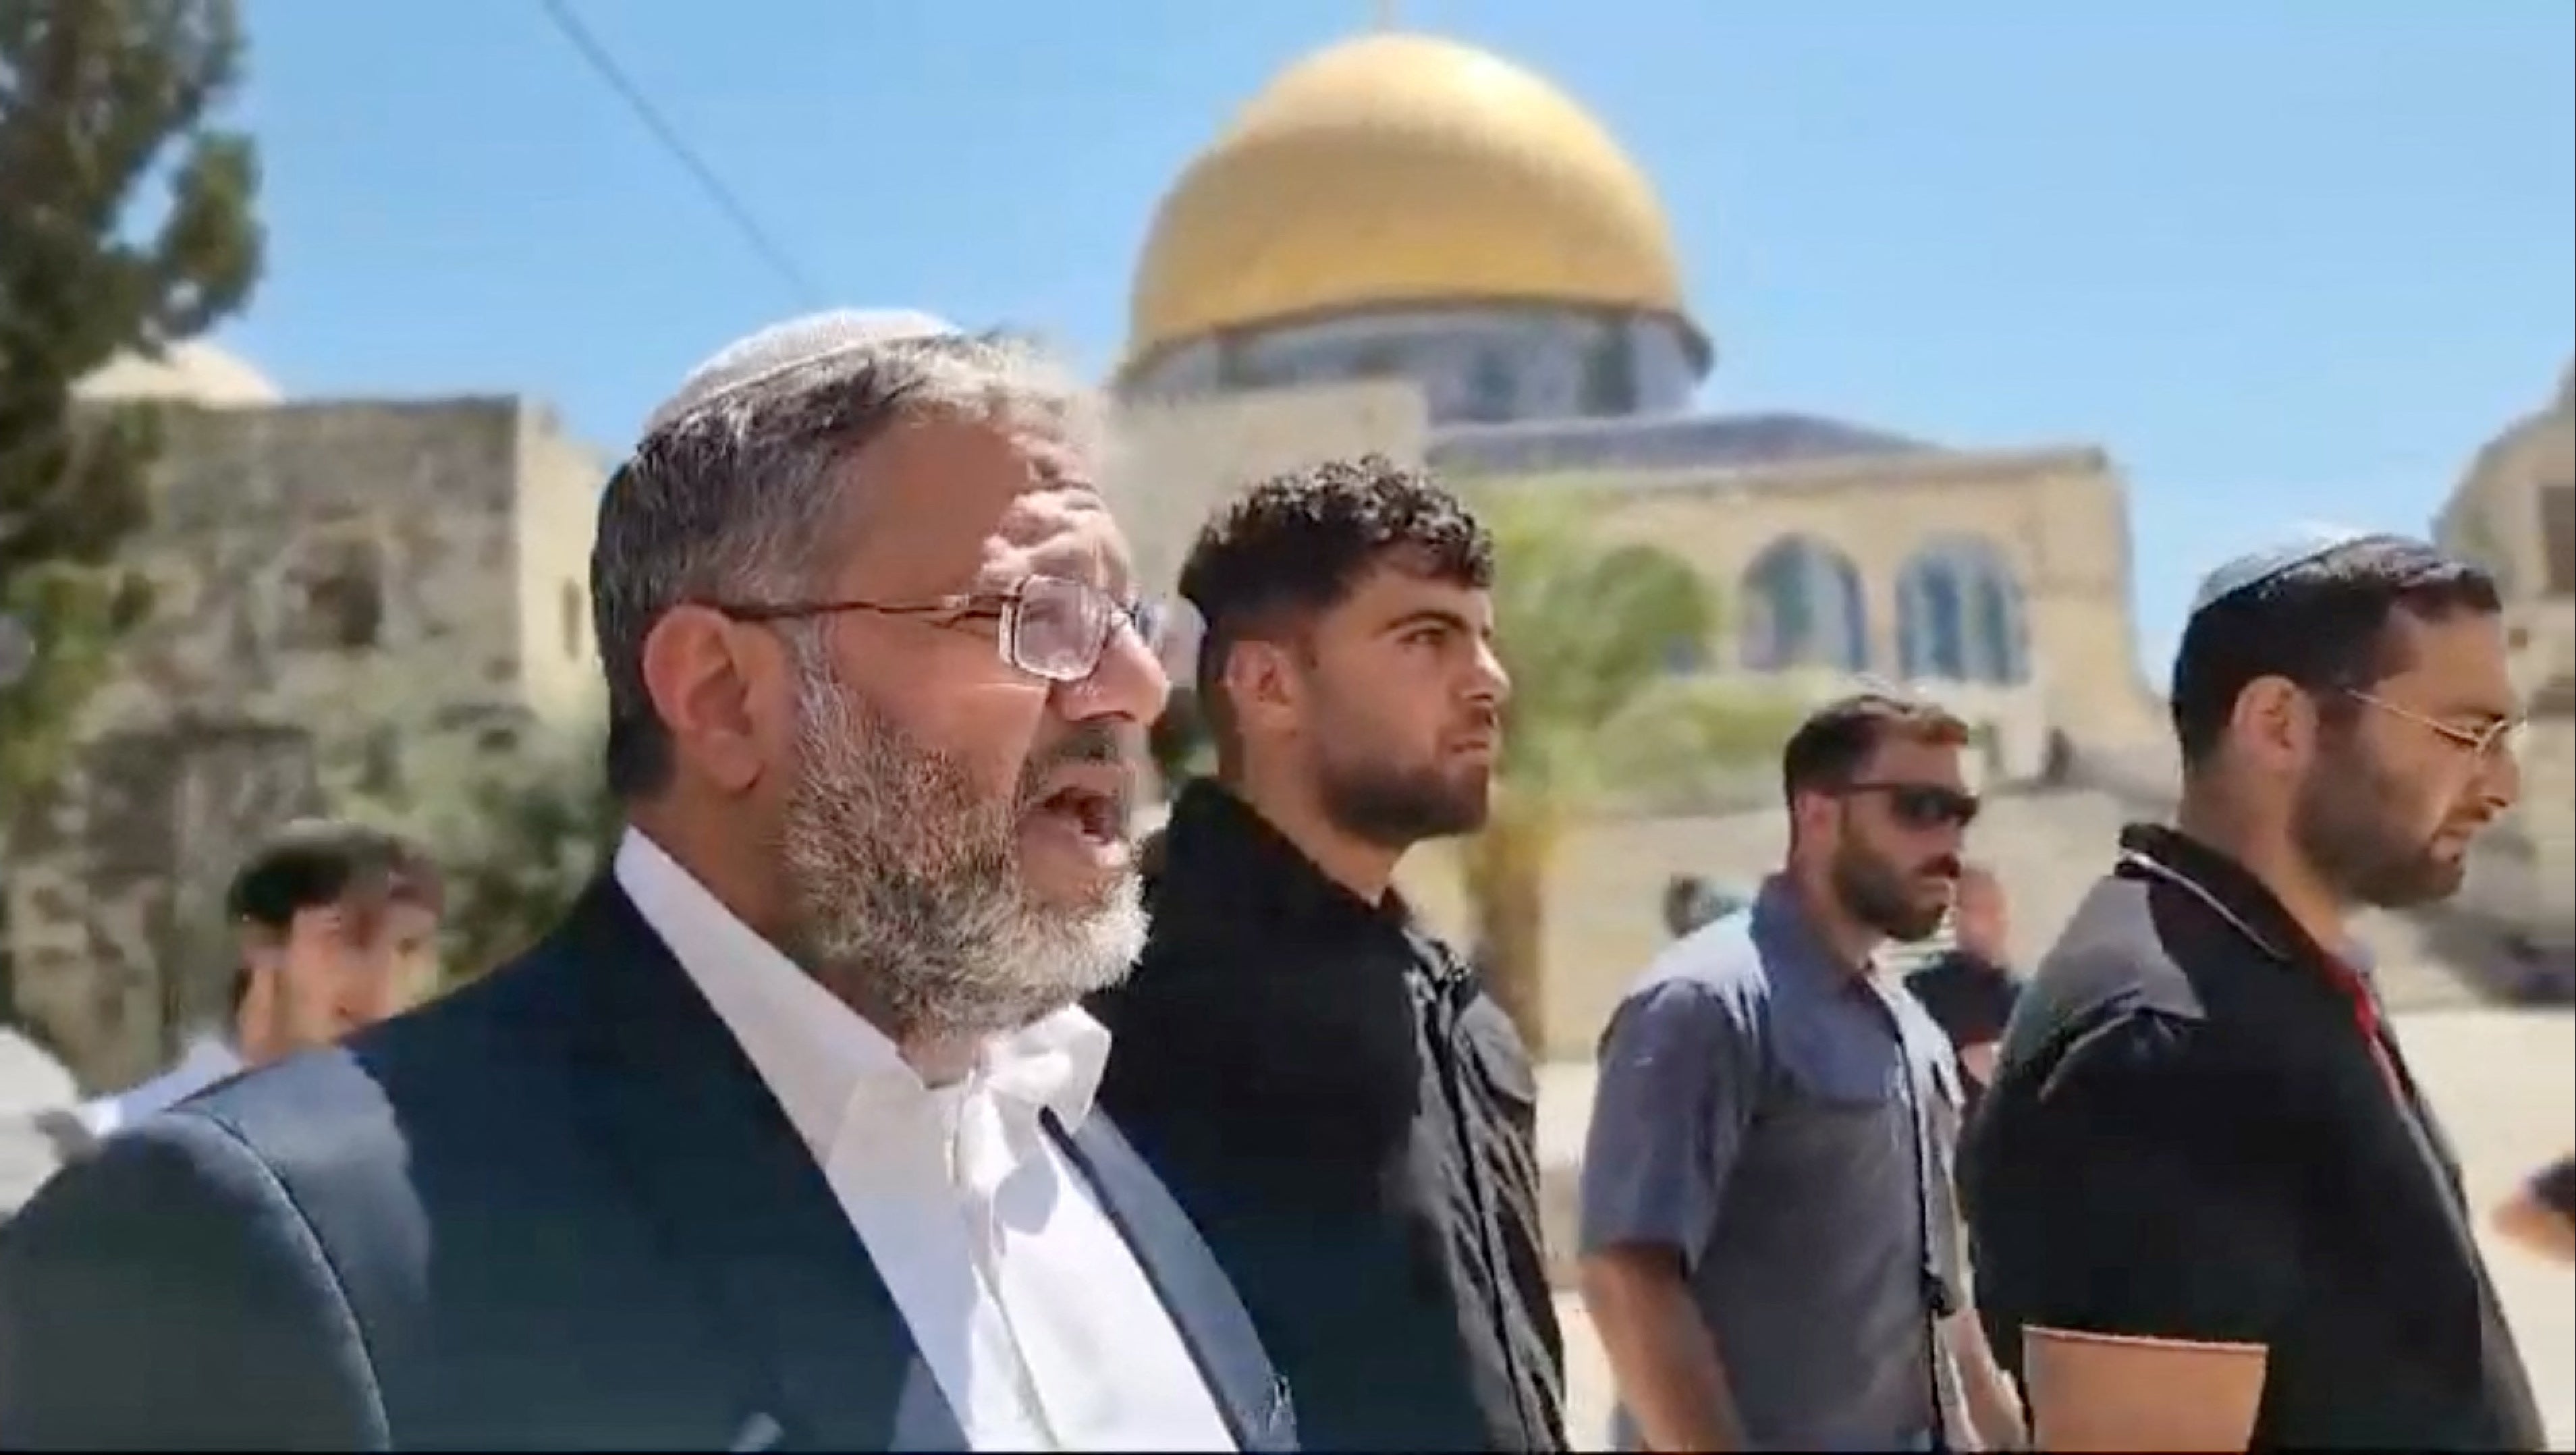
[(2503, 1081)]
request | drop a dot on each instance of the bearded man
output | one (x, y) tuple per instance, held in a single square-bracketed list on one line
[(784, 1138), (1321, 1082), (1770, 1243), (2211, 1210)]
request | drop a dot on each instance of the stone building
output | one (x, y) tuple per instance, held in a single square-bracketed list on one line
[(1408, 244), (353, 598), (1406, 213), (2515, 512)]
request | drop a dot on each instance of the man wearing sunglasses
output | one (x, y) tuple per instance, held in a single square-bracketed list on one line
[(1770, 1245), (785, 1138), (2210, 1208)]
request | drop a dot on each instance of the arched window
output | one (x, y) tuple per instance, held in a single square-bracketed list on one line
[(1802, 606), (1960, 615)]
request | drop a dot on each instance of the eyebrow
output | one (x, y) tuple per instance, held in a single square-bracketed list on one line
[(1428, 616)]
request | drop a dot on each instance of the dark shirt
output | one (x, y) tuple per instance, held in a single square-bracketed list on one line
[(2190, 1137), (1970, 998), (1350, 1121)]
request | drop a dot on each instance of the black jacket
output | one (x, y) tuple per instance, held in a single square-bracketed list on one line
[(555, 1210), (1349, 1120)]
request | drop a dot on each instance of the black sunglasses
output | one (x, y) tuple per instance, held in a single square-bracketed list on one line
[(1922, 805)]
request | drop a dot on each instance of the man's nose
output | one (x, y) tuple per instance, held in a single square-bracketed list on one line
[(1129, 682), (2502, 781), (1492, 681)]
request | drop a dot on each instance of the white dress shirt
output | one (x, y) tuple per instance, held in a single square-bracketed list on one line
[(206, 1061), (1026, 1303)]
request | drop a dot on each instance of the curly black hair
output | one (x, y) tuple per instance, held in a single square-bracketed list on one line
[(1296, 545)]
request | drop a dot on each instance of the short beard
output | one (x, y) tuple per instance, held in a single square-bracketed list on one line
[(907, 897), (1396, 808), (2345, 824), (1874, 894)]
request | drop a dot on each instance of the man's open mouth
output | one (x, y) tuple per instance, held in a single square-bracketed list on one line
[(1100, 816)]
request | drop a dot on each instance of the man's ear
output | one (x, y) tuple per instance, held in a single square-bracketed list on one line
[(2274, 723), (1262, 684), (711, 679)]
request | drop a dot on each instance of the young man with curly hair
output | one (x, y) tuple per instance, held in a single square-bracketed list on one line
[(1323, 1084)]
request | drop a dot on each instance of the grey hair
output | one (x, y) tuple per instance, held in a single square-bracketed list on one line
[(737, 493)]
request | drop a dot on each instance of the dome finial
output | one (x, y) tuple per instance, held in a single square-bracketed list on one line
[(1386, 16)]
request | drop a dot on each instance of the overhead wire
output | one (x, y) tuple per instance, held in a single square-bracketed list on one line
[(779, 260)]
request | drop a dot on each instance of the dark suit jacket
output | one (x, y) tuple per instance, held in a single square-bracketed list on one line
[(557, 1209)]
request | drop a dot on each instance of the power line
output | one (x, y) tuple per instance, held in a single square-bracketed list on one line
[(572, 29)]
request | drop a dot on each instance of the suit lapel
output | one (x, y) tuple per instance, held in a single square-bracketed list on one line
[(823, 1351), (1193, 1289)]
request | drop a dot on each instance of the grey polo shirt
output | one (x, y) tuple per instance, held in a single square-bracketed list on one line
[(1758, 1111)]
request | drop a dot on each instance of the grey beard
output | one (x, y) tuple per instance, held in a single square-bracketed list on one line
[(906, 893)]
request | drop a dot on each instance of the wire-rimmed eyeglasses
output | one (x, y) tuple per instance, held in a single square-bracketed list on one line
[(1051, 627), (2500, 738)]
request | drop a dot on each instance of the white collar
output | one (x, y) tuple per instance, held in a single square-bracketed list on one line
[(821, 1059), (207, 1060)]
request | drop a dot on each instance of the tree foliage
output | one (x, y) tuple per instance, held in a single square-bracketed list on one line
[(1590, 629), (126, 223), (516, 835)]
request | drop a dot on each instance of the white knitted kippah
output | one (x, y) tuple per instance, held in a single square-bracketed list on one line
[(793, 345), (2296, 548)]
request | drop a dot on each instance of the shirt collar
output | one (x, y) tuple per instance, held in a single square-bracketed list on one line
[(2238, 894), (1786, 933), (822, 1060)]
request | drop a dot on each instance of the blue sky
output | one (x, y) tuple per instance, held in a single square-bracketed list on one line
[(2286, 259)]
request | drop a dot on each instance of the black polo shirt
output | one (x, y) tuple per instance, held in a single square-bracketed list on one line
[(2191, 1136), (1350, 1121)]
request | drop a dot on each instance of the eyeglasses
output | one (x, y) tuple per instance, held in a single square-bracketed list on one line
[(1922, 805), (1052, 628), (2503, 737)]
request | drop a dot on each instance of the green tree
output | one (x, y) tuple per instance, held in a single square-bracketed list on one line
[(126, 223), (1589, 628)]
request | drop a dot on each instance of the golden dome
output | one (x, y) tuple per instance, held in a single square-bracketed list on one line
[(1398, 170)]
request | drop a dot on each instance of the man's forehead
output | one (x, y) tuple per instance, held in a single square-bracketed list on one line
[(1396, 585), (2455, 663), (942, 498), (1905, 756)]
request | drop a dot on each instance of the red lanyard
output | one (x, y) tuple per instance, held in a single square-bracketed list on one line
[(2365, 1018)]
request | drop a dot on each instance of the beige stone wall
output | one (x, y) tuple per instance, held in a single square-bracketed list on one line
[(348, 609), (2524, 873), (1176, 463), (557, 517), (2056, 516)]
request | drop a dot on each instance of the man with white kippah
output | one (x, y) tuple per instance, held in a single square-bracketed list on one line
[(2208, 1208), (785, 1137)]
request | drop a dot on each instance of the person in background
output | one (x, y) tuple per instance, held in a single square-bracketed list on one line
[(1325, 1086), (336, 926), (1969, 989), (1770, 1244), (1691, 901), (2541, 1216), (2210, 1208)]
